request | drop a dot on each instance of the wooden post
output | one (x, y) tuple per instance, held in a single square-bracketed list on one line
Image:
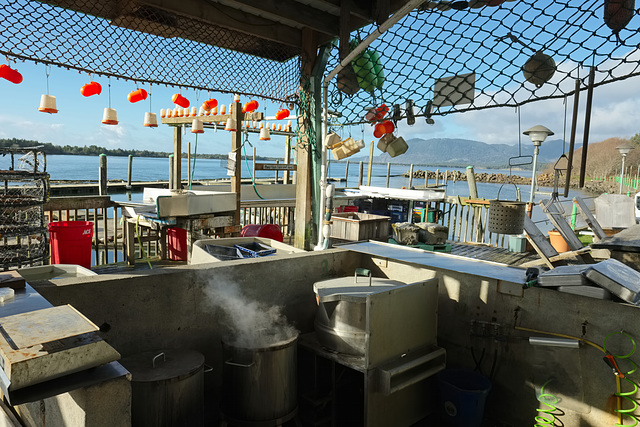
[(236, 144), (346, 175), (306, 181), (171, 171), (360, 173), (471, 181), (437, 176), (388, 173), (426, 178), (370, 164), (446, 177), (276, 177), (130, 172), (287, 158), (102, 176), (411, 176), (176, 177)]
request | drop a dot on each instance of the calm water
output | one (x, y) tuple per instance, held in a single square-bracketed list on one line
[(85, 168)]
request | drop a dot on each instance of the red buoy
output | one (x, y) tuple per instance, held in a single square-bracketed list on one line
[(180, 100), (10, 74), (90, 89)]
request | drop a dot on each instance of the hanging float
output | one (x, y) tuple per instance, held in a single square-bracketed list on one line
[(10, 74), (617, 14)]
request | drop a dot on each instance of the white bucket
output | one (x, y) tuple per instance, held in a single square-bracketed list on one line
[(110, 117), (150, 120), (48, 104)]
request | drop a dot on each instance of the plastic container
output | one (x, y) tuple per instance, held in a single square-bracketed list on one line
[(463, 394), (71, 242), (223, 253), (177, 244), (255, 249), (269, 231)]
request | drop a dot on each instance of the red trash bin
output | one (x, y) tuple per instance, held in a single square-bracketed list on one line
[(177, 244), (268, 231), (71, 242)]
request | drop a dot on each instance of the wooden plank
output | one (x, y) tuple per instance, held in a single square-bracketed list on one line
[(78, 202), (589, 218), (215, 118), (539, 241), (557, 219)]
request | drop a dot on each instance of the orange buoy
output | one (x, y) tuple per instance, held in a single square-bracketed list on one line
[(10, 74), (379, 130), (209, 104), (282, 114), (137, 95), (180, 100), (389, 126), (251, 106), (90, 89)]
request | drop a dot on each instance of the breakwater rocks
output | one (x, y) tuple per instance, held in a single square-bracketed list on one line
[(544, 180), (495, 178)]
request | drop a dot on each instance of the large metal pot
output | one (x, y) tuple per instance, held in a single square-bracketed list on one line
[(167, 388), (260, 384), (340, 322)]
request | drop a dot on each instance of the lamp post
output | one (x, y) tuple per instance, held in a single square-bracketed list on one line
[(624, 149), (537, 134)]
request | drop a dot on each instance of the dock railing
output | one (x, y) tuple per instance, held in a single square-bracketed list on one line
[(108, 245)]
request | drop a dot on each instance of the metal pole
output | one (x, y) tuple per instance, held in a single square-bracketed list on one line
[(622, 172), (360, 173), (411, 177), (370, 164), (536, 150), (346, 175), (170, 171)]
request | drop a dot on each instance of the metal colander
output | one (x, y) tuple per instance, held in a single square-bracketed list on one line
[(506, 217)]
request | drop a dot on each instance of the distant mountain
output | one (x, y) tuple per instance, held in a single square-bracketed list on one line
[(464, 152)]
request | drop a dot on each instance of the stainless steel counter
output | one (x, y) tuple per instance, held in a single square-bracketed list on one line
[(442, 261)]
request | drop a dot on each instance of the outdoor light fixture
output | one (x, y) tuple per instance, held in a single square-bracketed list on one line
[(624, 149), (537, 134)]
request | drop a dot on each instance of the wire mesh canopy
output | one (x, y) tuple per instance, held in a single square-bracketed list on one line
[(444, 57)]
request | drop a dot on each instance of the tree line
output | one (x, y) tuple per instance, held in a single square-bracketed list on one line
[(94, 150)]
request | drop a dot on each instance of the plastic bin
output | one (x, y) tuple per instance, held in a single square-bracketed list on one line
[(177, 244), (463, 394), (268, 231), (71, 242), (255, 249)]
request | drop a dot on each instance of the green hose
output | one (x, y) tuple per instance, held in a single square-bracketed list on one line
[(546, 416), (244, 150)]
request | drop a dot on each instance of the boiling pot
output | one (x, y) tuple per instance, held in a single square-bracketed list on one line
[(341, 319), (260, 384), (167, 388)]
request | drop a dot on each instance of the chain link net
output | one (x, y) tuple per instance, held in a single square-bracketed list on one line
[(510, 54), (167, 49), (507, 53)]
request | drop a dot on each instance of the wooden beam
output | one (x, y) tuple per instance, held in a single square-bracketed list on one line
[(230, 18), (236, 145), (304, 219), (288, 12)]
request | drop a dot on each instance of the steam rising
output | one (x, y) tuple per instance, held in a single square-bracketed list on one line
[(250, 324)]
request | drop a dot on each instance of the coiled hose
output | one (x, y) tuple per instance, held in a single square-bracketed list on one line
[(546, 416), (627, 396)]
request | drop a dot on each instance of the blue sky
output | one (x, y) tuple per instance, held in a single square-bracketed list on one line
[(78, 121)]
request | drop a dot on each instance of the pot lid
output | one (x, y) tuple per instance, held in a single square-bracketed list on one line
[(350, 289), (162, 365)]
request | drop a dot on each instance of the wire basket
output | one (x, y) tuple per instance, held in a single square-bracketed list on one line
[(506, 216)]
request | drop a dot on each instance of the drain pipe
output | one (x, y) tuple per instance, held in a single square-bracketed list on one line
[(401, 13)]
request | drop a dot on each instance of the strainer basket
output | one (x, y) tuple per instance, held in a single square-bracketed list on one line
[(506, 216)]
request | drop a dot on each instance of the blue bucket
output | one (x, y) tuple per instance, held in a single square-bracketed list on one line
[(463, 394)]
